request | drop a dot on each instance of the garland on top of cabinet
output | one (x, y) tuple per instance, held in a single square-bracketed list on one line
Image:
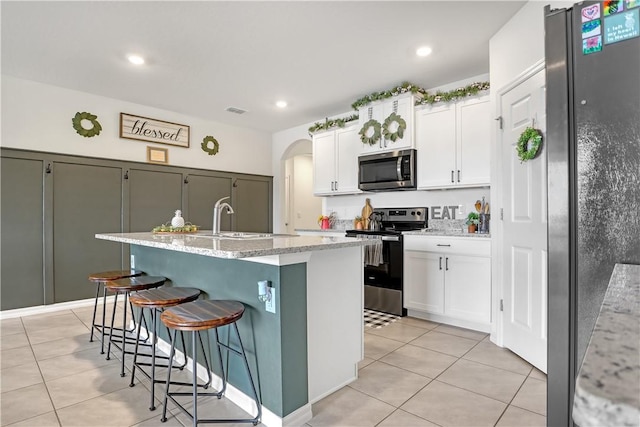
[(455, 94), (378, 96), (328, 124)]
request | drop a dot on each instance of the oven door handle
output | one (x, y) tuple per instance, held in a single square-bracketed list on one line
[(391, 238)]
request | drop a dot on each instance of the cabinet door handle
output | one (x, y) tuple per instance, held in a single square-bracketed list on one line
[(458, 175), (452, 177), (336, 185), (448, 246), (446, 263), (440, 264)]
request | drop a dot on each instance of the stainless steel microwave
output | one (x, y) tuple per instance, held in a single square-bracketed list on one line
[(395, 170)]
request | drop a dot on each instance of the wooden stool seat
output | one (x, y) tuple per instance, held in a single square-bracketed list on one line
[(106, 276), (202, 314), (198, 316), (164, 297), (126, 287), (100, 279), (134, 284)]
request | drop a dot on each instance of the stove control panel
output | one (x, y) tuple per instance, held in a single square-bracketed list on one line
[(404, 214)]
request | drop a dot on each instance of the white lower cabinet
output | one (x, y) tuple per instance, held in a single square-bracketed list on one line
[(449, 277)]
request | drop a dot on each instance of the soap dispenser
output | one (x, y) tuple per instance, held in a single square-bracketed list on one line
[(177, 221)]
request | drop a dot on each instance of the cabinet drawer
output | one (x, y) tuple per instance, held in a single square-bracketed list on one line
[(459, 245)]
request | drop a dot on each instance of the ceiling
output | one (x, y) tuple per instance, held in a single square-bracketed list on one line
[(202, 57)]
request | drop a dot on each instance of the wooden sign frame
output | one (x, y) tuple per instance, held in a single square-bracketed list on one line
[(157, 155), (152, 130)]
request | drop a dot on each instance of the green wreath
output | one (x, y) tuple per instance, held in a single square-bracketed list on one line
[(87, 133), (528, 144), (375, 137), (205, 145), (399, 132)]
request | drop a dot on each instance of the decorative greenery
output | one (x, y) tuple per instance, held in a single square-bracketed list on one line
[(473, 218), (377, 96), (328, 124), (399, 132), (375, 136), (528, 144), (87, 133), (453, 95), (168, 228), (212, 151)]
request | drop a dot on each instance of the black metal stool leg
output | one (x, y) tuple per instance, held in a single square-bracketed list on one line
[(135, 352), (206, 363), (154, 343), (246, 364), (95, 307), (195, 378), (166, 390), (124, 332), (224, 376), (113, 319), (104, 314)]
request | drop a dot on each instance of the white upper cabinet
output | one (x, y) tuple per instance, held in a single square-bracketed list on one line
[(403, 106), (335, 161), (453, 142)]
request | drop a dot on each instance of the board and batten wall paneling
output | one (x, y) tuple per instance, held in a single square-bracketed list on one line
[(22, 215), (87, 199), (202, 193), (154, 196), (25, 103)]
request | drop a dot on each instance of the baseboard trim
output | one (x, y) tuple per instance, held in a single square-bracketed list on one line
[(297, 418), (49, 308)]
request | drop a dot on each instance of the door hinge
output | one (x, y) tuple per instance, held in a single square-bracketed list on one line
[(501, 305), (501, 214), (499, 119)]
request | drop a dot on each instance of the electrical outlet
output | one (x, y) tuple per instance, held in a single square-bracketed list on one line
[(270, 305), (133, 261)]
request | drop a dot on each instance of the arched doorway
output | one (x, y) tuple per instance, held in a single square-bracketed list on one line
[(299, 207)]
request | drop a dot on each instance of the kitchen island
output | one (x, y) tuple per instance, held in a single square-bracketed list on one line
[(311, 345)]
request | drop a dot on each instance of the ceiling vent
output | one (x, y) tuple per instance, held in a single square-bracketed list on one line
[(235, 110)]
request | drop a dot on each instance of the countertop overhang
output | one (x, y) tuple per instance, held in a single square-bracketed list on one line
[(207, 245)]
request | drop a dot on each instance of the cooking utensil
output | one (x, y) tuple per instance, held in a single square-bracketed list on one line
[(486, 208), (478, 206), (375, 221)]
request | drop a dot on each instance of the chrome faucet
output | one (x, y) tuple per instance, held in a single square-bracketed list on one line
[(217, 210)]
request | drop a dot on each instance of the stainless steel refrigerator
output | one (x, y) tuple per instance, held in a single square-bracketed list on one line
[(592, 55)]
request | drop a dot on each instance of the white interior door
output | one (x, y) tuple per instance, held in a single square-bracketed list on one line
[(524, 233)]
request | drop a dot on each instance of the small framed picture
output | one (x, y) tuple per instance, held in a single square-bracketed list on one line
[(157, 155)]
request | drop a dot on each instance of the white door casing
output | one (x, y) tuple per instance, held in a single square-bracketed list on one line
[(524, 226)]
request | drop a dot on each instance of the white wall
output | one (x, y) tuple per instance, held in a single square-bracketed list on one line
[(306, 207), (37, 116)]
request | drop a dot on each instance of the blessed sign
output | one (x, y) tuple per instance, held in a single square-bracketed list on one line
[(152, 130)]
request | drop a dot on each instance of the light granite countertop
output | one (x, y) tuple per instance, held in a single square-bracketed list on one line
[(446, 232), (426, 232), (608, 384), (203, 243)]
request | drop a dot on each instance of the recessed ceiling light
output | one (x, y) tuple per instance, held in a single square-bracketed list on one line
[(281, 104), (423, 51), (136, 59)]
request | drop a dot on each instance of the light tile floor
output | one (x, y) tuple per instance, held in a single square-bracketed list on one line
[(415, 373)]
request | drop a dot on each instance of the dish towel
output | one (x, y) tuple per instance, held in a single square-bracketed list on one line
[(373, 253)]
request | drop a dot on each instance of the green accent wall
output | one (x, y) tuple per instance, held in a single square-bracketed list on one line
[(276, 344)]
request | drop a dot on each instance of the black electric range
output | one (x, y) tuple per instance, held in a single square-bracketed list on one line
[(383, 283)]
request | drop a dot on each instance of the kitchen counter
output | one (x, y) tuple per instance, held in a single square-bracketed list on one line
[(309, 346), (608, 384), (203, 243), (446, 232)]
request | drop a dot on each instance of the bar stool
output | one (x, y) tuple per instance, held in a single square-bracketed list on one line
[(100, 279), (156, 301), (198, 316), (126, 287)]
